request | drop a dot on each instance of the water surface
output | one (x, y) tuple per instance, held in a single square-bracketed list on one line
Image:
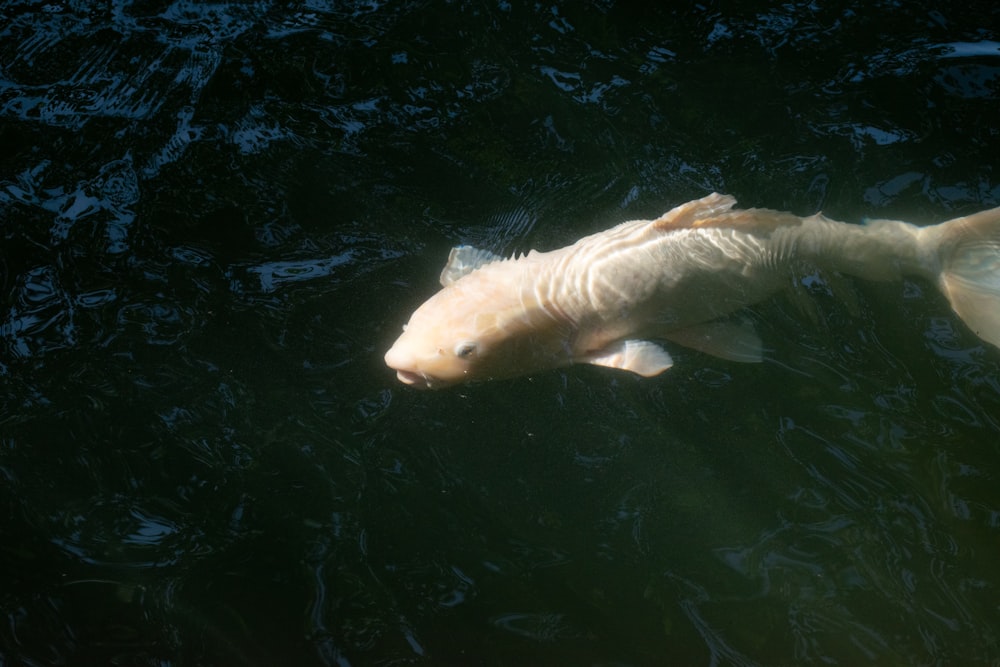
[(216, 217)]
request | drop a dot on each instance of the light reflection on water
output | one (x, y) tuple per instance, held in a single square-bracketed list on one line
[(216, 217)]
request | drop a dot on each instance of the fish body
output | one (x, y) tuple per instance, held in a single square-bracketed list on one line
[(608, 298)]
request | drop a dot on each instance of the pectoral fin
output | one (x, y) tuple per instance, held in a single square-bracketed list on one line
[(465, 259), (727, 340), (638, 356)]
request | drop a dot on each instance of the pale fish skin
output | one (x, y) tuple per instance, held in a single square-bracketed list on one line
[(679, 278)]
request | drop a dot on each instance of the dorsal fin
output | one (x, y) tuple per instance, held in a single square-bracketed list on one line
[(463, 260), (688, 214), (715, 210)]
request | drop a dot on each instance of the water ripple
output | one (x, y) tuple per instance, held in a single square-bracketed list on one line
[(212, 212)]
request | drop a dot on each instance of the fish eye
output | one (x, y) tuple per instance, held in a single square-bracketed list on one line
[(465, 349)]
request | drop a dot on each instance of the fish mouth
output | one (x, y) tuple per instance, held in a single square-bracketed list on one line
[(417, 380), (421, 380)]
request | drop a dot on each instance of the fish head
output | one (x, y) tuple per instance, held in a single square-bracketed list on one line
[(481, 327)]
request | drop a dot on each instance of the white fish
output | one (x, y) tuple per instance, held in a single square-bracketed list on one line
[(606, 298)]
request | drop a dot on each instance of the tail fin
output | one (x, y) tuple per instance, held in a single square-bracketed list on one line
[(969, 250)]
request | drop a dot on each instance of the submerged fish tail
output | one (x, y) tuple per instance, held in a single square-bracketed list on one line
[(969, 252)]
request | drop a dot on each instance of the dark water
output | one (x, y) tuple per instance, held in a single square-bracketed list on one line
[(216, 216)]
